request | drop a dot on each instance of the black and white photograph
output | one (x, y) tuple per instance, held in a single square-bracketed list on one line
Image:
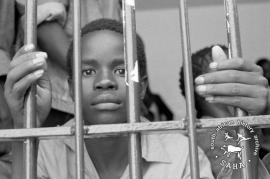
[(134, 89)]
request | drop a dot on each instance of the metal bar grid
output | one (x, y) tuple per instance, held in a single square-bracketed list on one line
[(104, 130), (133, 87), (133, 128)]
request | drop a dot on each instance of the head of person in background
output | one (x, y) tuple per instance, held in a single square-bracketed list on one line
[(200, 65), (156, 108), (265, 64), (220, 82)]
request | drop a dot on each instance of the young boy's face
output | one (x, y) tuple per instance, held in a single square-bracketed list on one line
[(103, 78)]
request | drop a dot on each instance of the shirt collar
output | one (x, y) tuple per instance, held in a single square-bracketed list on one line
[(152, 148)]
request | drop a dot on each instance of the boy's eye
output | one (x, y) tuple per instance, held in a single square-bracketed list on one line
[(88, 72), (120, 71)]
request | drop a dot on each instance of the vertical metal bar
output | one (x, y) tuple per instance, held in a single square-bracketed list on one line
[(77, 77), (235, 50), (233, 33), (30, 147), (191, 116), (133, 84), (24, 155)]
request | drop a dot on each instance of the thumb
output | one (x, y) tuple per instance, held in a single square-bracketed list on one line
[(218, 54), (25, 49)]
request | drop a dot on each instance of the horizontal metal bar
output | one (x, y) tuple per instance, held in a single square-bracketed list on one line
[(36, 132), (113, 129), (97, 130), (258, 121)]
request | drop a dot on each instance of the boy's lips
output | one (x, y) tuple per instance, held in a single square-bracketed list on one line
[(106, 102), (107, 106)]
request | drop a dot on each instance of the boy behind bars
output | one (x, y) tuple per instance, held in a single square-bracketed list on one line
[(104, 102)]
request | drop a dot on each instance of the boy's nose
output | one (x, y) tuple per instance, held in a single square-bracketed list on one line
[(105, 84)]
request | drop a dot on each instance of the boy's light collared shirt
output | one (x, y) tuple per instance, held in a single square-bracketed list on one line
[(166, 156)]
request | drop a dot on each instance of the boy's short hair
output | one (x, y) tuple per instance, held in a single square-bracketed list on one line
[(262, 61), (114, 26), (200, 65)]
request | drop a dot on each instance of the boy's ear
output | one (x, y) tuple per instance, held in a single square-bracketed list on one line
[(144, 85), (70, 87)]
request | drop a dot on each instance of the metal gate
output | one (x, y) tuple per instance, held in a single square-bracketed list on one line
[(25, 140)]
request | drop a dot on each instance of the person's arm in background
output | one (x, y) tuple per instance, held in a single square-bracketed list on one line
[(111, 9), (52, 15), (53, 39), (51, 36), (7, 29)]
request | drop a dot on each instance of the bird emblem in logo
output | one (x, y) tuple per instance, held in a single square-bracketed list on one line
[(228, 149)]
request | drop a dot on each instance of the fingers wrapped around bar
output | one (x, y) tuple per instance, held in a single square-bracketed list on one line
[(26, 68), (235, 82)]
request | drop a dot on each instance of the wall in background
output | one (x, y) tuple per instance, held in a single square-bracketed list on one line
[(160, 31), (161, 4)]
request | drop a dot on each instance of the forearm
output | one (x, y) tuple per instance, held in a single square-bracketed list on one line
[(7, 23), (53, 39)]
